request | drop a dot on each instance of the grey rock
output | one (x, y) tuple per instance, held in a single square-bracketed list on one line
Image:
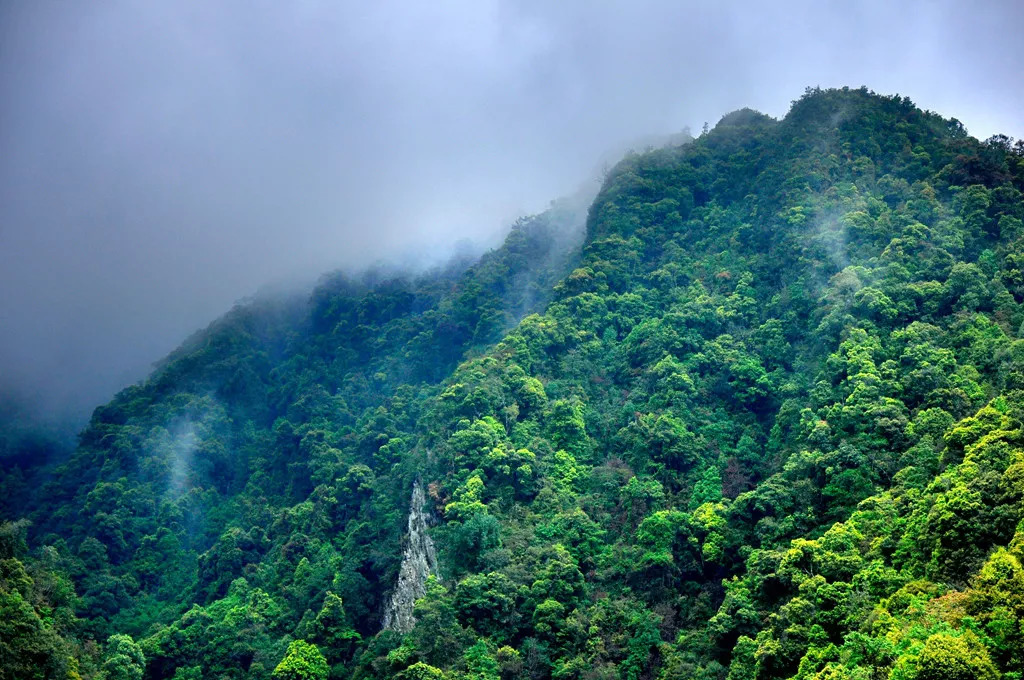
[(419, 560)]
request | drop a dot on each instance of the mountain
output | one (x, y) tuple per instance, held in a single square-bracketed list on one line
[(761, 418)]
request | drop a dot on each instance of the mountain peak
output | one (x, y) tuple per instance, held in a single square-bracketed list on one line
[(767, 415)]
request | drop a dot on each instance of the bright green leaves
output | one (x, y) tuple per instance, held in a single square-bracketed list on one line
[(996, 602), (678, 544), (657, 535), (469, 445), (124, 659), (466, 501), (566, 428), (564, 471), (915, 628), (947, 657), (548, 617), (302, 661), (422, 671), (558, 578), (480, 663)]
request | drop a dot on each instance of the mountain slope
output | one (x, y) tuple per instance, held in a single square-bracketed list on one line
[(767, 328), (768, 427), (234, 426)]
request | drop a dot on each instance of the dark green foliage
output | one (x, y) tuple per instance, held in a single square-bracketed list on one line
[(767, 423)]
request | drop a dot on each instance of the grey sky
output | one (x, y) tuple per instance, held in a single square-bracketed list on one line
[(160, 160)]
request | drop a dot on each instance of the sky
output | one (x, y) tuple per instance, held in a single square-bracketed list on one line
[(160, 161)]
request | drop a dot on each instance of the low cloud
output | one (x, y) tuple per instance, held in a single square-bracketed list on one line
[(162, 160)]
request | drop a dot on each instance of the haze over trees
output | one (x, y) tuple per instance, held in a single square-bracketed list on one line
[(760, 418)]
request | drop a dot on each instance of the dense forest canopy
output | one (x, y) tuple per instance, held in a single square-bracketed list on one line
[(762, 416)]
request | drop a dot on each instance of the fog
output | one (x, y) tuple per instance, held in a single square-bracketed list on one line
[(159, 161)]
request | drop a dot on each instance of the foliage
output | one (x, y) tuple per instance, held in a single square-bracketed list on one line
[(303, 661), (766, 422)]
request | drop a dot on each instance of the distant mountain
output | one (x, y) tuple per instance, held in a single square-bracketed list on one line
[(761, 416)]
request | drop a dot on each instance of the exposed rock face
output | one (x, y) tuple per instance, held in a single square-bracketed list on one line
[(418, 562)]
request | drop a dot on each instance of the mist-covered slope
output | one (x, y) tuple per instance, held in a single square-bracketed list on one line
[(769, 426), (231, 427)]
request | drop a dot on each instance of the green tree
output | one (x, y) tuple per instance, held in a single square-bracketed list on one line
[(302, 661), (946, 657), (124, 659), (333, 631)]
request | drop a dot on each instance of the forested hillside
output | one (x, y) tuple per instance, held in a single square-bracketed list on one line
[(766, 422)]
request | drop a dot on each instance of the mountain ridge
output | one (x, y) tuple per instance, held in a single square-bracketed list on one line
[(765, 423)]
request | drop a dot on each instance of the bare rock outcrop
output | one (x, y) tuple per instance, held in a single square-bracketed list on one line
[(419, 560)]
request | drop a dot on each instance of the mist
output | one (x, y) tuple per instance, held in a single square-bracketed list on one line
[(162, 160)]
